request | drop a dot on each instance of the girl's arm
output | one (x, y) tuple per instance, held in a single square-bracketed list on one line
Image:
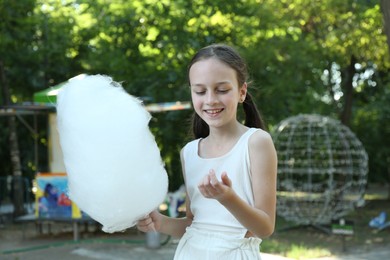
[(260, 219), (156, 221)]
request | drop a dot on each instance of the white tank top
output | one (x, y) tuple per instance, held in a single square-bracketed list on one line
[(209, 214)]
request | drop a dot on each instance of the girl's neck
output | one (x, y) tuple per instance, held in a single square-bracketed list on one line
[(225, 133), (221, 140)]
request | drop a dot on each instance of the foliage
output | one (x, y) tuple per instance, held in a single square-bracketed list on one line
[(298, 51)]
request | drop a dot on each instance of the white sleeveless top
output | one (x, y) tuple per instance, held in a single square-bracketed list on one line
[(208, 213)]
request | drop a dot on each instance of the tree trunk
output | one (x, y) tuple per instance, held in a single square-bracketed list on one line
[(385, 8), (17, 180), (346, 113)]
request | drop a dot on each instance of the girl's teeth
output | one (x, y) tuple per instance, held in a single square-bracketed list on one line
[(214, 111)]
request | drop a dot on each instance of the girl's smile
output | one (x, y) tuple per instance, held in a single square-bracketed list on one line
[(215, 92), (213, 112)]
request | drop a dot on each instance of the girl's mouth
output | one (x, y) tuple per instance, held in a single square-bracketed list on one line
[(213, 112)]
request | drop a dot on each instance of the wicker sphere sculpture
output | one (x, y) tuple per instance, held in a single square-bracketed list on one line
[(322, 169)]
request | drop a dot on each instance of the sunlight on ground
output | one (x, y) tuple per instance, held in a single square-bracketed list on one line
[(302, 252), (294, 251)]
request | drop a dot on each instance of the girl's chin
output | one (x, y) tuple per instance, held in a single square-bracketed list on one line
[(212, 122), (211, 119)]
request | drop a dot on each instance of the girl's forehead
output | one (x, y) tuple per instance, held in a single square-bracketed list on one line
[(212, 61), (212, 66), (212, 73)]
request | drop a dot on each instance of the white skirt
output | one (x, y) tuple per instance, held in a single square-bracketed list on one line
[(198, 244)]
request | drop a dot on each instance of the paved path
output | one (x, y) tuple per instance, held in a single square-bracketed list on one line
[(130, 246), (117, 250), (98, 250)]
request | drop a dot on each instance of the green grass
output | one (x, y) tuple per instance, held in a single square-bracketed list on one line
[(303, 252), (307, 242), (293, 250)]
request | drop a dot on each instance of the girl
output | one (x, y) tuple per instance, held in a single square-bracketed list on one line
[(229, 169)]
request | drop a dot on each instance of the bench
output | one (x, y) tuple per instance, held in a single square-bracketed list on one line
[(39, 221)]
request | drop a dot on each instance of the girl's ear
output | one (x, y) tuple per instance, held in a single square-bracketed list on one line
[(243, 91)]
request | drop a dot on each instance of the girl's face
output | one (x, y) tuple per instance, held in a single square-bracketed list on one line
[(215, 92)]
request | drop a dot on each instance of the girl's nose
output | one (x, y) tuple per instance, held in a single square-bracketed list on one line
[(211, 98)]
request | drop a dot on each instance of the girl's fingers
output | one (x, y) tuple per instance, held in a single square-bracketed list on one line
[(206, 180), (225, 179), (144, 218), (211, 187), (204, 186), (147, 227), (208, 186), (145, 224), (213, 179)]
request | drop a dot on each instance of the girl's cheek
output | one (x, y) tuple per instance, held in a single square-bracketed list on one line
[(196, 102)]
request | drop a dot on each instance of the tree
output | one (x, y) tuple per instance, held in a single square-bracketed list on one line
[(385, 8), (325, 57), (15, 31)]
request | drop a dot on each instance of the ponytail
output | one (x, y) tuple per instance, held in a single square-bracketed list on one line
[(252, 114), (199, 127)]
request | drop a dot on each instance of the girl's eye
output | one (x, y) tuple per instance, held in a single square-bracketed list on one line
[(222, 91), (200, 92)]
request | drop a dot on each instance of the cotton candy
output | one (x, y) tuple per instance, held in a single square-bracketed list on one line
[(115, 172)]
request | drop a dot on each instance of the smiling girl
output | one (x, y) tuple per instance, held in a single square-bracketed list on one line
[(229, 169)]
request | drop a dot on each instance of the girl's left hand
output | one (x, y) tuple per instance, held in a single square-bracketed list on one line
[(211, 188)]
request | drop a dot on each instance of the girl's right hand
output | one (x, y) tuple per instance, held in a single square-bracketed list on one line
[(151, 222)]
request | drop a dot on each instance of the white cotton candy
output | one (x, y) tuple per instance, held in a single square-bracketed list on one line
[(115, 172)]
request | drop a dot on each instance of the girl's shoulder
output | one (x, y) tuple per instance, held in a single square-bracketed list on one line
[(190, 145), (260, 139), (260, 134)]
